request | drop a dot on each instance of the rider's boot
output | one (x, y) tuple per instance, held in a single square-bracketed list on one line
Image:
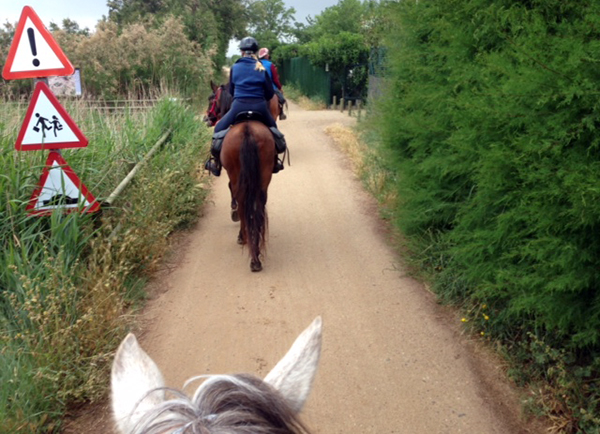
[(214, 162), (282, 115), (280, 147), (278, 164)]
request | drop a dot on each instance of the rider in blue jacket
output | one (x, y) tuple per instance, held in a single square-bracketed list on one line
[(251, 88)]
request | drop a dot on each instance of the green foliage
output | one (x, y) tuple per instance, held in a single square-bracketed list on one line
[(345, 56), (346, 16), (337, 40), (71, 27), (66, 281), (270, 22), (210, 24), (492, 118), (137, 58), (13, 88)]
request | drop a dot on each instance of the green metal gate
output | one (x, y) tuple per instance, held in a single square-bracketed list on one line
[(311, 80)]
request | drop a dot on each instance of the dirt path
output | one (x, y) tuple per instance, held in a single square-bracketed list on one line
[(393, 360)]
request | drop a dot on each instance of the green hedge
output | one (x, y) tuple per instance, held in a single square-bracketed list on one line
[(492, 121)]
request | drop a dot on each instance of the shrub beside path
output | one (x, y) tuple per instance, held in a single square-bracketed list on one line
[(393, 361)]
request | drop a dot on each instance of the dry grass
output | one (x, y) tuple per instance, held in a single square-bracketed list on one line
[(364, 163), (303, 101)]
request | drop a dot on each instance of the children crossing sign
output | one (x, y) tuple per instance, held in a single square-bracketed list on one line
[(60, 187), (47, 125), (34, 53)]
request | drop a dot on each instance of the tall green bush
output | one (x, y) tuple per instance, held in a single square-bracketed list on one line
[(492, 119), (137, 58)]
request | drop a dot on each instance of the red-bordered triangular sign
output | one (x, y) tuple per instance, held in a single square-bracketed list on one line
[(47, 124), (60, 188), (34, 52)]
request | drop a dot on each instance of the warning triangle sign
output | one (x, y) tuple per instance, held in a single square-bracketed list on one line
[(59, 187), (47, 124), (34, 53)]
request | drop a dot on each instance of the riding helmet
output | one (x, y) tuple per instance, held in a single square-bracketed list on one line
[(249, 44)]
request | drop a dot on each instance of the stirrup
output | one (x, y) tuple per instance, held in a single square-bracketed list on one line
[(213, 167), (278, 165)]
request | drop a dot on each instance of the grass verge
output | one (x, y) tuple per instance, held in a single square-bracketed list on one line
[(68, 283), (294, 94)]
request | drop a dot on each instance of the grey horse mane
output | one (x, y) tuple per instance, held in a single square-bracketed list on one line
[(223, 404)]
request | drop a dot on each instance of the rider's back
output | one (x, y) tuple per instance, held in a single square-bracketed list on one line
[(247, 81)]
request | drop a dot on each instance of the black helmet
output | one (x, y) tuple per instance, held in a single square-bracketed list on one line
[(249, 44)]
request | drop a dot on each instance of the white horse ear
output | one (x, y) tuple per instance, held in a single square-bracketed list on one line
[(134, 374), (294, 374)]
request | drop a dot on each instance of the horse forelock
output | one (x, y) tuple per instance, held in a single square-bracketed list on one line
[(224, 404)]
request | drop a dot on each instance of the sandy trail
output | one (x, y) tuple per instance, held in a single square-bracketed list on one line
[(393, 360)]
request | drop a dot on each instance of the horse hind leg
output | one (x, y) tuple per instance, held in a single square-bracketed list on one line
[(255, 265), (235, 215)]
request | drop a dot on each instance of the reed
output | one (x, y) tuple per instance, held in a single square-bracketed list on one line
[(70, 282)]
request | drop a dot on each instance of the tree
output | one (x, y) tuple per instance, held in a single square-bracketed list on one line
[(211, 24), (71, 27), (336, 40), (346, 16), (130, 11), (270, 22)]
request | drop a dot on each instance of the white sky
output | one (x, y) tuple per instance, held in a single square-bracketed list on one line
[(85, 12), (88, 12)]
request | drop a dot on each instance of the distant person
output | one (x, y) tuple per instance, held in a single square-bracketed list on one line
[(251, 88), (265, 57)]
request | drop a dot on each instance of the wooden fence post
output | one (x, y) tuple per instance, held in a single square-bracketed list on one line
[(334, 102), (350, 105), (342, 105)]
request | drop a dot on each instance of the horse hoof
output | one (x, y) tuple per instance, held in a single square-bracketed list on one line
[(235, 216), (255, 266)]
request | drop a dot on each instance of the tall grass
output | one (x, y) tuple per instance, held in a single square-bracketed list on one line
[(68, 282)]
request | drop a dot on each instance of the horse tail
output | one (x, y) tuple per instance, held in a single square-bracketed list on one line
[(250, 189)]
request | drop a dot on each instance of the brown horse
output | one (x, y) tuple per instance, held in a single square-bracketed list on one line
[(219, 103), (247, 156), (275, 108)]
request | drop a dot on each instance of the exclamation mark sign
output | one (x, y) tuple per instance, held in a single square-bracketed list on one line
[(31, 35)]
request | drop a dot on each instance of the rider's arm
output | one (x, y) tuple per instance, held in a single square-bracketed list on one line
[(269, 92), (275, 75)]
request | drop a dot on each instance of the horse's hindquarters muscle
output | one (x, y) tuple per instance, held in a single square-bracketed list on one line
[(248, 155)]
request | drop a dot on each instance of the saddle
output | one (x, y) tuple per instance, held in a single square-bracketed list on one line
[(280, 145), (248, 116), (217, 143)]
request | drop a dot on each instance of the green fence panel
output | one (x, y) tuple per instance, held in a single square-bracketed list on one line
[(311, 80)]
